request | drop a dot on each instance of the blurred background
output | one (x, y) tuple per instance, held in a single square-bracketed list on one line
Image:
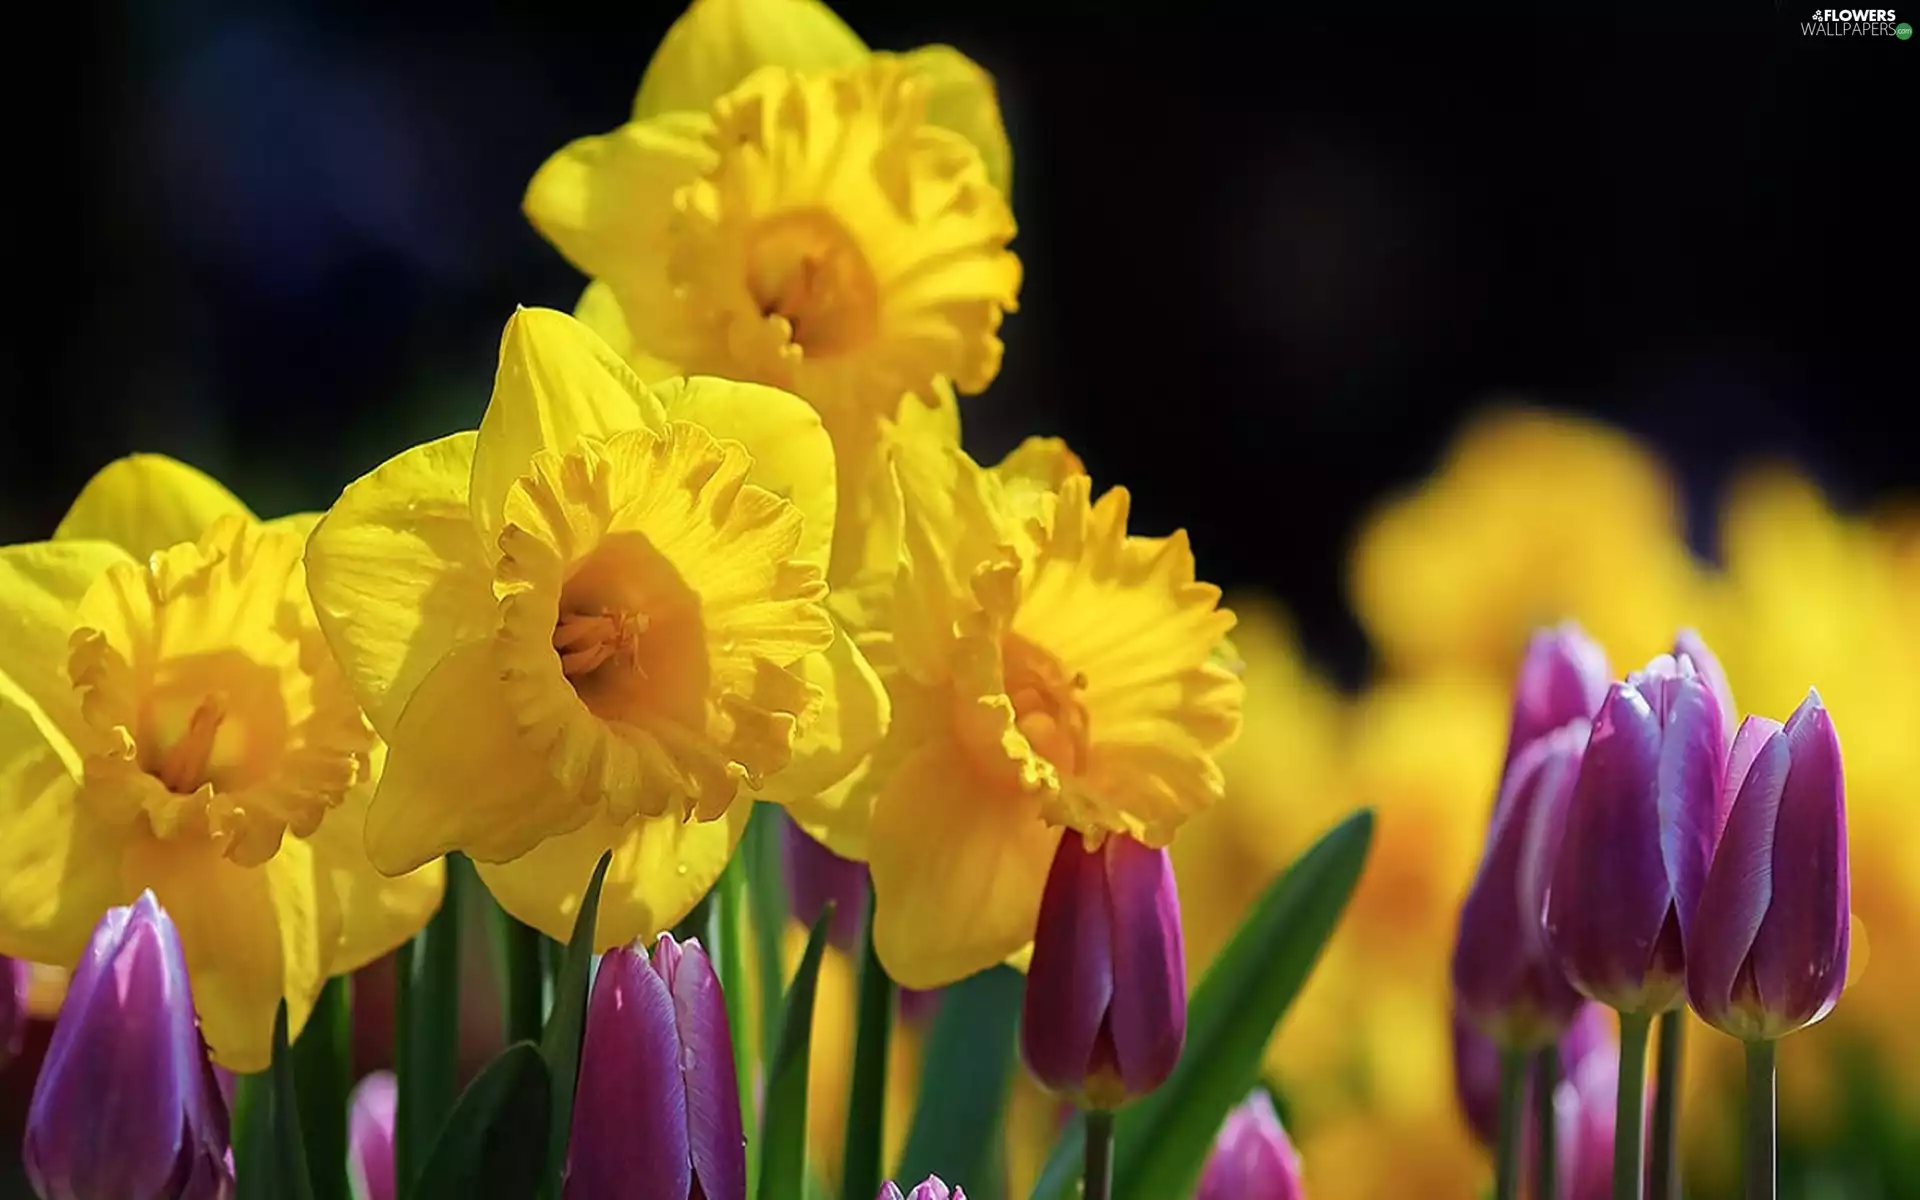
[(1428, 327)]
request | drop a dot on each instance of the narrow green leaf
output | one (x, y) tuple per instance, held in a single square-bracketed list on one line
[(783, 1133), (270, 1159), (861, 1165), (566, 1024), (426, 1058), (494, 1143), (523, 980), (728, 948), (252, 1131), (289, 1150), (767, 892), (969, 1066), (323, 1069)]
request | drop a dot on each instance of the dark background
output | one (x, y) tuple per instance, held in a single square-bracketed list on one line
[(1272, 262)]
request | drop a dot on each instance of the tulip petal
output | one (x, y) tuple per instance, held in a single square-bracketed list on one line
[(1563, 676), (1800, 951), (1739, 887), (1251, 1156), (1707, 665), (144, 503), (1071, 982), (714, 1135), (1149, 1007), (370, 1124), (717, 43), (40, 588), (630, 1106), (1693, 751), (398, 575)]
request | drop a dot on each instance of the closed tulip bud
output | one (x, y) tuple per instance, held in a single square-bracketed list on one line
[(1505, 980), (14, 977), (1640, 828), (370, 1115), (1770, 954), (1476, 1066), (1252, 1157), (657, 1108), (930, 1188), (1584, 1112), (816, 875), (126, 1104), (1563, 677), (1105, 1013)]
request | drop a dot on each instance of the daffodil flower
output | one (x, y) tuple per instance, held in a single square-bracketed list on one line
[(1048, 672), (789, 207), (170, 719), (599, 622)]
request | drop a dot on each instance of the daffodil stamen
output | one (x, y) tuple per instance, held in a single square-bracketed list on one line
[(803, 268), (1047, 704), (183, 767), (587, 641)]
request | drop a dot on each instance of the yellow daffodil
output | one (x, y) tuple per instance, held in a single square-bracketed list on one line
[(598, 622), (790, 208), (1047, 671), (170, 719)]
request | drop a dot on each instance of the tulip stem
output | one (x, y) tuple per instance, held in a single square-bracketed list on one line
[(1099, 1176), (1668, 1055), (1546, 1159), (523, 978), (1761, 1133), (1629, 1167), (1513, 1087)]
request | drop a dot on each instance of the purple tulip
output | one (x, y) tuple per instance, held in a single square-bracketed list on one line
[(1770, 954), (14, 978), (930, 1188), (1563, 677), (1505, 980), (1105, 1013), (1690, 645), (126, 1103), (816, 875), (370, 1115), (1584, 1113), (1640, 829), (1476, 1066), (657, 1108), (1251, 1157)]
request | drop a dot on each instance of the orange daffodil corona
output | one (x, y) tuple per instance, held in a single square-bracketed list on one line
[(170, 719), (598, 622)]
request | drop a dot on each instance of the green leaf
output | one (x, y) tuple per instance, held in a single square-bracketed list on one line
[(969, 1065), (867, 1106), (767, 892), (523, 981), (1163, 1140), (323, 1069), (783, 1132), (566, 1024), (727, 947), (426, 1054), (271, 1159), (494, 1143)]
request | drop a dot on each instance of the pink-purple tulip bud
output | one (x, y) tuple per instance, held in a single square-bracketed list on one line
[(657, 1108), (1505, 980), (14, 978), (370, 1115), (1476, 1066), (1584, 1107), (1771, 934), (1251, 1157), (1563, 677), (816, 875), (930, 1188), (126, 1103), (1641, 825), (1105, 1013)]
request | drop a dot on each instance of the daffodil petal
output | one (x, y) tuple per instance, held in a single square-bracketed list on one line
[(961, 97), (958, 869), (252, 937), (147, 502), (398, 575), (661, 868), (606, 202), (557, 381), (59, 864), (717, 43), (41, 584), (376, 913), (792, 454), (460, 777), (601, 310), (850, 725)]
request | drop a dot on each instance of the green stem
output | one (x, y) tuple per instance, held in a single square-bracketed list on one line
[(523, 979), (323, 1072), (1761, 1133), (1546, 1128), (1513, 1086), (1668, 1056), (427, 1057), (727, 945), (1099, 1175), (866, 1108), (1629, 1167), (767, 894)]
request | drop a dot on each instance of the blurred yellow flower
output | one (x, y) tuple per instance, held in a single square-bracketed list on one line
[(170, 719), (1047, 670), (599, 622)]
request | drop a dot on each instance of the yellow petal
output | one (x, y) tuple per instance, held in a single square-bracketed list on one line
[(792, 455), (850, 725), (958, 869), (398, 576), (40, 586), (459, 776), (251, 935), (147, 502), (376, 913), (601, 310), (607, 202), (961, 97), (557, 381), (59, 864), (661, 868), (717, 43)]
